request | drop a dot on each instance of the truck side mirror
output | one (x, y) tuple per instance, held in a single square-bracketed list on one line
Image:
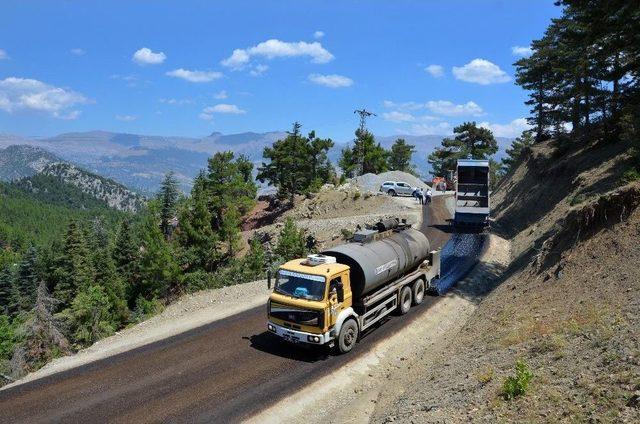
[(340, 291)]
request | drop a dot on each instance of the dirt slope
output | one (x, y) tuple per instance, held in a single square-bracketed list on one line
[(568, 305)]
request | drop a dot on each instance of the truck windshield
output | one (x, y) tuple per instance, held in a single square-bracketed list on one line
[(302, 286)]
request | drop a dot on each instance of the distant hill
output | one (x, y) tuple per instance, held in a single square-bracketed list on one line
[(53, 180)]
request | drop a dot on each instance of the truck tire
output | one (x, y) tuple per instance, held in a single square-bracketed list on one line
[(404, 301), (392, 193), (418, 290), (348, 336)]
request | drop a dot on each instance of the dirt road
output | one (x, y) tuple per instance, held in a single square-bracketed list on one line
[(220, 372)]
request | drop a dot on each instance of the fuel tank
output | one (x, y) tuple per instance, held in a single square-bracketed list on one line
[(376, 263)]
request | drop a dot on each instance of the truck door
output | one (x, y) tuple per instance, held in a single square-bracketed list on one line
[(335, 306)]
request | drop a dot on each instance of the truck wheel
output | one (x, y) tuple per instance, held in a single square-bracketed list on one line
[(418, 291), (405, 300), (348, 336)]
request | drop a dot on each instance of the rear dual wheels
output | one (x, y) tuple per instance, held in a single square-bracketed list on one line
[(411, 295), (418, 289), (405, 300)]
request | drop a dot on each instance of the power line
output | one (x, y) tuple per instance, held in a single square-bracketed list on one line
[(364, 114)]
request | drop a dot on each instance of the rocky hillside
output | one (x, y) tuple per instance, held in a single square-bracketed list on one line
[(567, 307), (23, 161), (39, 171), (115, 195)]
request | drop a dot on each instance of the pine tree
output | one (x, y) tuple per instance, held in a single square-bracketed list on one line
[(27, 279), (229, 196), (470, 140), (168, 200), (195, 235), (125, 251), (89, 316), (366, 156), (400, 156), (41, 338), (74, 270), (158, 266), (106, 276), (522, 142), (291, 242), (255, 260), (6, 290)]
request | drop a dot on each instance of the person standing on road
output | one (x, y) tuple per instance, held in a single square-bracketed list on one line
[(420, 196), (428, 196)]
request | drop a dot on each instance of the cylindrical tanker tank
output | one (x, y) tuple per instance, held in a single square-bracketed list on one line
[(376, 263)]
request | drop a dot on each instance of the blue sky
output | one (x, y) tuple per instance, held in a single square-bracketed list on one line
[(194, 67)]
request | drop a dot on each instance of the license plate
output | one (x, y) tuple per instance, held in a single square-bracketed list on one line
[(290, 338)]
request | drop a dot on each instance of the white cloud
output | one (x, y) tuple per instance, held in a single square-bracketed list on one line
[(258, 70), (396, 116), (207, 112), (3, 54), (126, 118), (405, 106), (273, 48), (331, 81), (447, 108), (436, 71), (195, 76), (318, 34), (145, 56), (221, 95), (28, 94), (481, 71), (438, 107), (441, 128), (521, 51), (178, 102), (77, 52), (512, 129)]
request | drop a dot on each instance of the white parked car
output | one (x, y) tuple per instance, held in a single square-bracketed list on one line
[(397, 188)]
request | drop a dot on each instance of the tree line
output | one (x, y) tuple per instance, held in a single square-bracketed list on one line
[(582, 75)]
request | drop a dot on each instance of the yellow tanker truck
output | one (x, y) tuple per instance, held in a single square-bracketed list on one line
[(331, 297)]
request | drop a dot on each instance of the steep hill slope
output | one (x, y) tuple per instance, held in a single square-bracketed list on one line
[(54, 180), (115, 195), (23, 161), (568, 305)]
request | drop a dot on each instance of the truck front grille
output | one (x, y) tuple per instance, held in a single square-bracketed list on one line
[(295, 315)]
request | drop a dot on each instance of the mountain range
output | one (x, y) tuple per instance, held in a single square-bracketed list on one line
[(140, 161)]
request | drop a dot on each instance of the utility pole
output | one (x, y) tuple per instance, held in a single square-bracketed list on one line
[(364, 114)]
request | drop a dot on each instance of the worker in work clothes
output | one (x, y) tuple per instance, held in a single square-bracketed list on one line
[(428, 195), (420, 196)]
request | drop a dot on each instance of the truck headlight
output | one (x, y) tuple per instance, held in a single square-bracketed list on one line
[(313, 339), (271, 328)]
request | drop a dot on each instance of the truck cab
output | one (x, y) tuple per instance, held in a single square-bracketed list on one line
[(307, 299)]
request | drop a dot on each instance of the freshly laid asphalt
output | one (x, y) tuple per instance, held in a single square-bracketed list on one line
[(220, 372)]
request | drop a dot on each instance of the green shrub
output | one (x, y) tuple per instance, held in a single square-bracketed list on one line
[(356, 195), (6, 337), (577, 199), (517, 385), (630, 175), (146, 309)]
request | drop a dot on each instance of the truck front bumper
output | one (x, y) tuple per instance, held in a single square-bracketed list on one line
[(295, 336)]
